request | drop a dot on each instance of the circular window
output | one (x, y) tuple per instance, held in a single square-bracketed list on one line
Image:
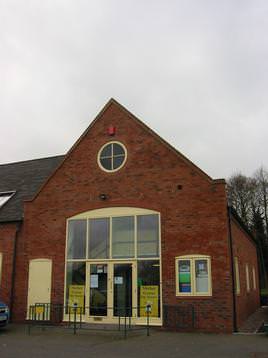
[(112, 156)]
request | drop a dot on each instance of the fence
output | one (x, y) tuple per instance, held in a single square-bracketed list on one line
[(49, 315)]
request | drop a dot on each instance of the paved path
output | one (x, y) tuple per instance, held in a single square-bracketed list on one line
[(254, 323), (60, 343)]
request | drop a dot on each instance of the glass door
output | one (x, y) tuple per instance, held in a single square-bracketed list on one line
[(111, 290), (98, 290), (122, 289)]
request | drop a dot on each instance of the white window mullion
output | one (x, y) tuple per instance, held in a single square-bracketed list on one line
[(88, 238), (135, 238), (110, 237), (193, 280), (112, 159)]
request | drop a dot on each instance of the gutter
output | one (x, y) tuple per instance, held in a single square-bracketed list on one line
[(232, 269), (12, 290)]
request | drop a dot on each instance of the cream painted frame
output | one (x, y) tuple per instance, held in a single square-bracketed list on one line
[(110, 291), (115, 212), (237, 276), (123, 163), (254, 278), (192, 259), (247, 279)]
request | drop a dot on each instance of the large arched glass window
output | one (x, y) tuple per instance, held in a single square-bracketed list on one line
[(131, 235)]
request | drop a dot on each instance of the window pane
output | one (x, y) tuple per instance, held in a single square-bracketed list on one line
[(123, 236), (118, 149), (148, 236), (98, 290), (75, 284), (77, 239), (184, 276), (201, 275), (98, 238), (149, 287), (4, 199), (122, 288), (117, 161), (106, 151), (106, 163)]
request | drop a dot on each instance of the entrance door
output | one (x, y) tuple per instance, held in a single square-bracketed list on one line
[(39, 283), (122, 289), (98, 296), (111, 290)]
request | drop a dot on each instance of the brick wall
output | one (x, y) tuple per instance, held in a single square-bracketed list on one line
[(193, 218), (7, 240), (245, 250)]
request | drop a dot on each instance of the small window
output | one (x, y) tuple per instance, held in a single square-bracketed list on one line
[(237, 277), (193, 275), (254, 278), (112, 156), (5, 196), (247, 278)]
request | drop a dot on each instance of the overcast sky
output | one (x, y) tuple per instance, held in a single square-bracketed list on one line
[(195, 71)]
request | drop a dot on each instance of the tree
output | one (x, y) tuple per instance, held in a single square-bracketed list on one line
[(259, 233), (249, 197), (241, 196), (261, 177)]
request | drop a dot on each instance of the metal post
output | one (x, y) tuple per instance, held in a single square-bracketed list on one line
[(80, 326), (75, 312), (69, 315), (125, 327), (148, 310)]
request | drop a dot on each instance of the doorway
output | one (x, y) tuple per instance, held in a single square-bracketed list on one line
[(111, 290)]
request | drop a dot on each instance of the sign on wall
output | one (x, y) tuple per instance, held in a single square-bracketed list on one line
[(76, 296), (149, 295)]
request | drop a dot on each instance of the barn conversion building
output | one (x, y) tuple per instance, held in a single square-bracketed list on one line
[(123, 220)]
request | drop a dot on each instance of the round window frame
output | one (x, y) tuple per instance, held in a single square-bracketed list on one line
[(123, 163)]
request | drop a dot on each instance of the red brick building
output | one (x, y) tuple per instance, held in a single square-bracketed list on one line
[(121, 221)]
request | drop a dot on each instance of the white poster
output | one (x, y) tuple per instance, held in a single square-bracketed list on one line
[(118, 280), (94, 281)]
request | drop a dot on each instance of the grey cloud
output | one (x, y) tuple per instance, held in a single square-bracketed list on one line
[(196, 72)]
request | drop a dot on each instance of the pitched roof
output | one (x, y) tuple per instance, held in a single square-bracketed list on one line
[(25, 178)]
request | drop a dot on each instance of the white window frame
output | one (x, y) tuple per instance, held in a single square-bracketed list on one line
[(193, 259), (247, 279), (237, 276)]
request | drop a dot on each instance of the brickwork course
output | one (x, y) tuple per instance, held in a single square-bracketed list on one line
[(192, 206)]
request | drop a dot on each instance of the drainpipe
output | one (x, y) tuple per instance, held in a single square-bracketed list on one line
[(12, 290), (232, 268)]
